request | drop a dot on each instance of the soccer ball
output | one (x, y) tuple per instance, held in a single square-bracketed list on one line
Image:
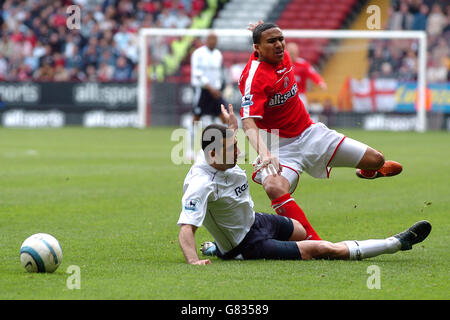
[(40, 252)]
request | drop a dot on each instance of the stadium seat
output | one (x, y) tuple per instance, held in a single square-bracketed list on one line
[(336, 15), (305, 15), (329, 24), (319, 15)]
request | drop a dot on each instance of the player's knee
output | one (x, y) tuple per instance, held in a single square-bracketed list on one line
[(275, 188)]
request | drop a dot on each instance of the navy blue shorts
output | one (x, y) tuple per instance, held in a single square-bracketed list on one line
[(268, 238)]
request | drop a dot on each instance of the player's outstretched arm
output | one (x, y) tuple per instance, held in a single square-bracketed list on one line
[(267, 160), (186, 239)]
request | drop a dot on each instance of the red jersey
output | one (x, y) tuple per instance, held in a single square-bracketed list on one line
[(270, 95), (303, 71)]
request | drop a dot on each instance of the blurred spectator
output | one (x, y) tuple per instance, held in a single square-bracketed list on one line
[(197, 6), (90, 54), (75, 61), (183, 20), (402, 54), (76, 75), (91, 73), (3, 66), (69, 47), (55, 43), (436, 20), (153, 8), (39, 50), (410, 60), (437, 71), (6, 47), (420, 18), (122, 37), (408, 68), (44, 73), (303, 71), (406, 74), (441, 50), (105, 72), (159, 49), (386, 70), (122, 71), (401, 19), (125, 8), (61, 73), (132, 51), (166, 19), (37, 29), (377, 61), (107, 58), (108, 23), (98, 14), (395, 56)]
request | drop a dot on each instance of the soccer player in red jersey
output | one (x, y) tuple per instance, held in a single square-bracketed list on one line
[(303, 72), (270, 103)]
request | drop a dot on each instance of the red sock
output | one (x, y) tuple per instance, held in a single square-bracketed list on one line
[(287, 207)]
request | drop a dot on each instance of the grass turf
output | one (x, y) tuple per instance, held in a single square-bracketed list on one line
[(112, 199)]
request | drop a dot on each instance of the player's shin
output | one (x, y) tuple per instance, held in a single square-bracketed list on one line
[(287, 207), (359, 250)]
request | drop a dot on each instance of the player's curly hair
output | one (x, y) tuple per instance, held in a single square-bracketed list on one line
[(259, 29)]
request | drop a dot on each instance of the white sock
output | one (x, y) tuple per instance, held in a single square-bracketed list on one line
[(372, 248)]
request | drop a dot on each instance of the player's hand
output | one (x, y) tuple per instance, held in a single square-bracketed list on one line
[(252, 26), (201, 262), (269, 163), (229, 116)]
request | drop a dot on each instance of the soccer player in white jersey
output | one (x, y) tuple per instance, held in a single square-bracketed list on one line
[(216, 195), (207, 79)]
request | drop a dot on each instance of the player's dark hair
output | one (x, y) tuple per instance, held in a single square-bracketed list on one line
[(260, 29), (213, 132)]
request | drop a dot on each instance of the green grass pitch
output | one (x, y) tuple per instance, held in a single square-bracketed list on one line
[(112, 199)]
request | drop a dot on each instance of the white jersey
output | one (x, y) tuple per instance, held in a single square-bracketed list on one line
[(219, 200), (206, 68)]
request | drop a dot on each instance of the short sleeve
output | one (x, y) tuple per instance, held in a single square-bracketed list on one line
[(195, 201), (253, 99)]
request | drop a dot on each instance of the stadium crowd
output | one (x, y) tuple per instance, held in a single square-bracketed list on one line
[(36, 44), (398, 58)]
